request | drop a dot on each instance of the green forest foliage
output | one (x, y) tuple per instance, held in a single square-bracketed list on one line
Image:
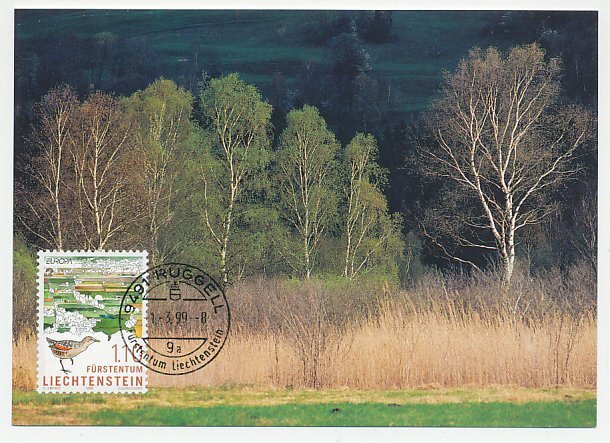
[(210, 190)]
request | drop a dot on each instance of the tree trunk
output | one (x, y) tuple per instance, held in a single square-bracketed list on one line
[(508, 262), (227, 232), (510, 246), (307, 258), (58, 239), (347, 255), (223, 265)]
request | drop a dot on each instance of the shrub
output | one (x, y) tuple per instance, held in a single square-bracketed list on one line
[(24, 289)]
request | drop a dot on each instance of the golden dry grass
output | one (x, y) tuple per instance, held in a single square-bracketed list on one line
[(399, 347), (426, 351), (24, 362)]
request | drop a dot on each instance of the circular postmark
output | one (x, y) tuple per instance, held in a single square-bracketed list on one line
[(174, 318)]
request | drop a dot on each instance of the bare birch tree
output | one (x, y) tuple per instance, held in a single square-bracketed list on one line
[(239, 120), (96, 148), (307, 179), (503, 140), (586, 238), (43, 207), (368, 226)]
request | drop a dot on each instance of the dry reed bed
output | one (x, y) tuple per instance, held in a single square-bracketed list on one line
[(307, 335), (25, 362), (393, 352), (426, 351)]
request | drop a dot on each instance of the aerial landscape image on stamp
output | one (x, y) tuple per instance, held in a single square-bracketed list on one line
[(79, 306), (305, 218)]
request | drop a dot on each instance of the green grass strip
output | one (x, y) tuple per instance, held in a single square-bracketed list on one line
[(493, 414)]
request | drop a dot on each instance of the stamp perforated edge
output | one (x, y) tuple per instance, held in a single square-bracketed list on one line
[(40, 310)]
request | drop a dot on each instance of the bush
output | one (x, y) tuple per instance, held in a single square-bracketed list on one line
[(260, 304), (24, 289)]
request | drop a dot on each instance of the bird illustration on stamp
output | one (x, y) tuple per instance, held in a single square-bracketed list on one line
[(68, 349)]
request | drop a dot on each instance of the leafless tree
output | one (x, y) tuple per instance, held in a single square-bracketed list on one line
[(585, 240), (503, 140), (96, 145), (42, 210)]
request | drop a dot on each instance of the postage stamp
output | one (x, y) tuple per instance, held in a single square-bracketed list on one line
[(79, 340), (187, 319)]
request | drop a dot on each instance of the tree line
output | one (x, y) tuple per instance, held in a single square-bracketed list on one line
[(142, 172), (199, 177)]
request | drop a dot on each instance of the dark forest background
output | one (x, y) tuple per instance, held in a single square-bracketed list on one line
[(365, 71)]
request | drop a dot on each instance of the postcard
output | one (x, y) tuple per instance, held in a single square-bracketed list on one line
[(305, 218)]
